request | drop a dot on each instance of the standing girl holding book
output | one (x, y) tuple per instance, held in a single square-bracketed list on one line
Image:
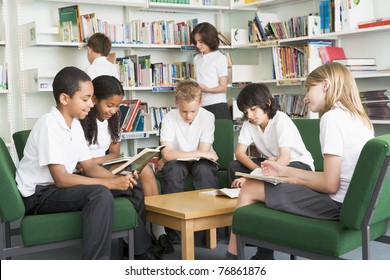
[(211, 70), (344, 130), (102, 132)]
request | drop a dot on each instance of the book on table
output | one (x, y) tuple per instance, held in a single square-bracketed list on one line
[(229, 192), (130, 164), (257, 174)]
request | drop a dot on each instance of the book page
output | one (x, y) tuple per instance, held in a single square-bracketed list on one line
[(229, 192), (258, 175), (138, 162), (197, 159)]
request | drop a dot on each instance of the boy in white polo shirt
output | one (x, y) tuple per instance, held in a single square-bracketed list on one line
[(45, 174), (188, 132), (98, 48)]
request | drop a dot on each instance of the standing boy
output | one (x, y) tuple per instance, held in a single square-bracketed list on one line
[(188, 132), (45, 174), (98, 48)]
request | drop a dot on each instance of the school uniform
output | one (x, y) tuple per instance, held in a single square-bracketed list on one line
[(143, 240), (208, 69), (341, 134), (280, 132), (186, 137), (51, 141), (101, 66)]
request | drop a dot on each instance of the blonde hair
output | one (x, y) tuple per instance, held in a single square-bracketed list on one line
[(342, 88), (188, 90)]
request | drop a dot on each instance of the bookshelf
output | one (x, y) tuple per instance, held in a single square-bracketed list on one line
[(7, 100), (41, 54)]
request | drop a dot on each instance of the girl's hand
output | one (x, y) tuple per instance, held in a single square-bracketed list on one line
[(269, 167), (238, 183)]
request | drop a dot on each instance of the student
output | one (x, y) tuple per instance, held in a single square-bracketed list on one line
[(332, 92), (273, 133), (98, 48), (211, 70), (102, 132), (188, 132), (55, 145)]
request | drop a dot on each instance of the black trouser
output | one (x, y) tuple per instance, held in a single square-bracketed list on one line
[(236, 166), (220, 110), (204, 174), (96, 204)]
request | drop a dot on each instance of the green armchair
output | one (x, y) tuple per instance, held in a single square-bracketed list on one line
[(364, 215), (48, 231)]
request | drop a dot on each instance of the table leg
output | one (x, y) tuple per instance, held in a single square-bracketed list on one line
[(211, 238), (187, 240)]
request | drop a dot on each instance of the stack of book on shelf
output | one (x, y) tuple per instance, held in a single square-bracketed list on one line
[(358, 64), (128, 112), (292, 104), (158, 114), (260, 29), (376, 103)]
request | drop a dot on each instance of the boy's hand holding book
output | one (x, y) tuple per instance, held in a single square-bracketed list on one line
[(123, 182)]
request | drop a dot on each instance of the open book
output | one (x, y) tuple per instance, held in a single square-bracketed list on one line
[(229, 192), (258, 175), (197, 159), (130, 164)]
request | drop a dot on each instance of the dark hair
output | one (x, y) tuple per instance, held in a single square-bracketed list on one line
[(257, 95), (68, 81), (100, 43), (208, 33), (104, 87)]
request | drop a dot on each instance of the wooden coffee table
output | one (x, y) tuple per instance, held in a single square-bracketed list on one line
[(188, 212)]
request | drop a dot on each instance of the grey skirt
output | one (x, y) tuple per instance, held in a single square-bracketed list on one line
[(299, 200)]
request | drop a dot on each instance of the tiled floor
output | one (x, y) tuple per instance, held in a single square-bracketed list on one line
[(379, 251)]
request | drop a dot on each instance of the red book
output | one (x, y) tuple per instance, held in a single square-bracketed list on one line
[(131, 113), (329, 53), (374, 23)]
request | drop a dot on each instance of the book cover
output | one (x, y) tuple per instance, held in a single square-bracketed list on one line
[(356, 61), (374, 23), (258, 175), (329, 53), (69, 23), (229, 192), (130, 164)]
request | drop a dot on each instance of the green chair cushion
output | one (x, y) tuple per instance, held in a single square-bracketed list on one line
[(331, 238), (67, 226)]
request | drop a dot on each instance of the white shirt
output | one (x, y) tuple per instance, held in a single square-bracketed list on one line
[(101, 66), (103, 140), (280, 132), (343, 135), (51, 141), (208, 69), (186, 137)]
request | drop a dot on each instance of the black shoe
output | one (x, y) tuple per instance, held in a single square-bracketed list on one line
[(150, 254), (263, 254), (165, 244), (173, 236)]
